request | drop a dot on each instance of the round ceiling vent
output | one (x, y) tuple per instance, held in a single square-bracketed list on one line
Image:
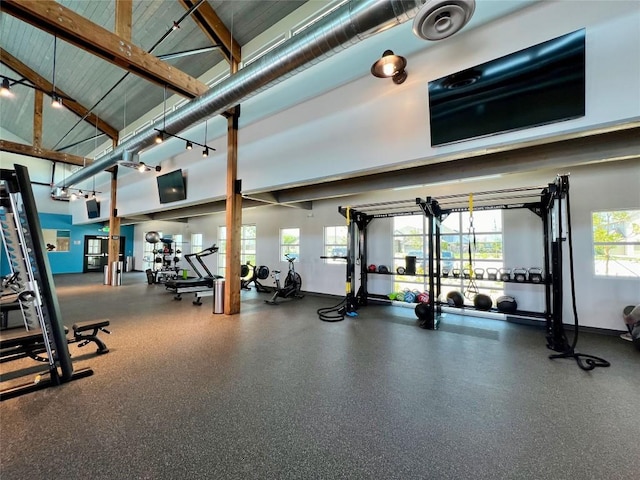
[(438, 19)]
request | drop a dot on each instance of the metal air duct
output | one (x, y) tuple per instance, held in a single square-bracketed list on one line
[(348, 25)]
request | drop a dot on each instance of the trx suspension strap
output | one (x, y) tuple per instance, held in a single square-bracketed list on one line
[(472, 288)]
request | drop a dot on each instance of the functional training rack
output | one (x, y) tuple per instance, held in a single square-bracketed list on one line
[(541, 200), (26, 251)]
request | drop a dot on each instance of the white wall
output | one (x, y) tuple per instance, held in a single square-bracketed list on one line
[(371, 123), (40, 171)]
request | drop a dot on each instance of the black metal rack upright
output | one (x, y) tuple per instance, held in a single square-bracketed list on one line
[(26, 251)]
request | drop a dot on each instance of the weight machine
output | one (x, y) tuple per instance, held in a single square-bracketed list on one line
[(29, 263)]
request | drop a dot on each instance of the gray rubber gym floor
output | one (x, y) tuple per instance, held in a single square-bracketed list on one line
[(275, 393)]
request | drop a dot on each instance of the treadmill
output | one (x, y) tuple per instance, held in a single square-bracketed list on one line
[(190, 285)]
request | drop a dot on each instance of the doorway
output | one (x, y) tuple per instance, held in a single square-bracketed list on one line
[(96, 252)]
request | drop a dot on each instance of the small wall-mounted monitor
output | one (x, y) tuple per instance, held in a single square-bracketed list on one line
[(541, 84), (93, 208), (172, 187)]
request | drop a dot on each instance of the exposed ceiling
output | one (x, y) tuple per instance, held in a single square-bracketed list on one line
[(114, 96)]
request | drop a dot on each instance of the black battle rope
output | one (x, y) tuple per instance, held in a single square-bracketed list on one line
[(335, 313), (590, 361)]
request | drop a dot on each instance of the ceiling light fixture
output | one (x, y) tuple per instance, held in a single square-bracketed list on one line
[(5, 90), (189, 145), (142, 167), (390, 66), (160, 137), (205, 152), (56, 101)]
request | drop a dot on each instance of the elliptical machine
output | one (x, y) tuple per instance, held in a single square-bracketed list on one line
[(292, 283)]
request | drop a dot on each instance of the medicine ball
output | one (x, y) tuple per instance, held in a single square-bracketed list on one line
[(422, 311), (423, 297), (409, 297), (263, 272), (372, 268), (152, 237), (455, 299), (506, 304), (482, 302), (383, 269), (400, 270), (392, 296), (400, 296)]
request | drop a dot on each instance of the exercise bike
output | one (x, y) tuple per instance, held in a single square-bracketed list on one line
[(292, 284)]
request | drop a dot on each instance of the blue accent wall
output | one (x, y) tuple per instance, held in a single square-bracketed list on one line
[(71, 261)]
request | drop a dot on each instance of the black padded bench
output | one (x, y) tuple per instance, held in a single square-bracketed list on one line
[(21, 343), (94, 326), (16, 344)]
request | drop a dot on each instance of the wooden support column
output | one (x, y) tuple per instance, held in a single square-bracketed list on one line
[(124, 9), (233, 219), (114, 225), (37, 119)]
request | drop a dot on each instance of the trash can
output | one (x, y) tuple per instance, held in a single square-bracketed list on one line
[(218, 295), (106, 274), (116, 274), (129, 264)]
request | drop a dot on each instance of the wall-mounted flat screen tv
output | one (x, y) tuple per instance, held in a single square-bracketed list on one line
[(93, 208), (541, 84), (172, 187)]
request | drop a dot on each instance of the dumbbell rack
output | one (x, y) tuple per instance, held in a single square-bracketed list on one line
[(26, 251)]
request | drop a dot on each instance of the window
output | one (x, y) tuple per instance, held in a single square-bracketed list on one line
[(335, 243), (409, 239), (247, 246), (196, 242), (616, 243), (462, 249), (289, 242), (178, 245)]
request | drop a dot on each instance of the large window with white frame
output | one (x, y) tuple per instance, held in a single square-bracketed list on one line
[(196, 243), (247, 246), (461, 248), (289, 242), (335, 243), (616, 243)]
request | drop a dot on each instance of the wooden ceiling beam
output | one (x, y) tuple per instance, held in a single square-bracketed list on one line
[(215, 29), (31, 151), (43, 84), (58, 20)]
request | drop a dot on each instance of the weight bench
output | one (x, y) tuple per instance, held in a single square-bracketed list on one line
[(83, 338), (20, 343)]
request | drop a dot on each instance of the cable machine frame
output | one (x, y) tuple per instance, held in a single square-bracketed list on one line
[(358, 220)]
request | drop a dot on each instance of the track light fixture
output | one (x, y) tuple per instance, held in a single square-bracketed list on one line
[(5, 90), (205, 152), (390, 66), (56, 101), (142, 167), (163, 134)]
